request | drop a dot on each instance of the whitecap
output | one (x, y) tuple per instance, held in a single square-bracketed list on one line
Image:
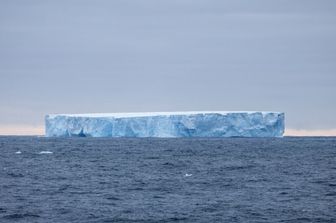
[(45, 152), (188, 175), (18, 152)]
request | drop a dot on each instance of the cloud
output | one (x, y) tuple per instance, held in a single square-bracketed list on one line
[(177, 55)]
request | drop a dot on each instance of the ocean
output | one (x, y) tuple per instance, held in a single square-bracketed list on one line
[(291, 179)]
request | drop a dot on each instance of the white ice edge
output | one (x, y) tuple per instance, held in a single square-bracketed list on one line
[(148, 114)]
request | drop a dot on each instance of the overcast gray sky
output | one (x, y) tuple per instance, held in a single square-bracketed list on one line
[(81, 56)]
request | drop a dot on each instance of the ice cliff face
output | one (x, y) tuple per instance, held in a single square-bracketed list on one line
[(167, 124)]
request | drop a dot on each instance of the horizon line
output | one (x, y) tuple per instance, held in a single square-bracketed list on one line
[(39, 130)]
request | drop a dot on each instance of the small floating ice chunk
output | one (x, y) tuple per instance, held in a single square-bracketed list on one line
[(18, 152), (188, 175), (45, 152)]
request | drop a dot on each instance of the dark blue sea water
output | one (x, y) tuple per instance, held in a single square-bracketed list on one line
[(167, 180)]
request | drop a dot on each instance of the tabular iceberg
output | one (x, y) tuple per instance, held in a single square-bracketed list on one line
[(167, 124)]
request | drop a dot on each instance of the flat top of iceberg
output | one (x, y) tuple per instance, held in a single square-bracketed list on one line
[(147, 114)]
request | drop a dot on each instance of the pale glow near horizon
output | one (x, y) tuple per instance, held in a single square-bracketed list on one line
[(306, 132), (21, 130), (39, 130)]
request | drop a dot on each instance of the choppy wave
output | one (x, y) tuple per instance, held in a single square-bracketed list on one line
[(167, 180)]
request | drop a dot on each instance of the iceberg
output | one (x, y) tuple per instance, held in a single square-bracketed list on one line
[(167, 124)]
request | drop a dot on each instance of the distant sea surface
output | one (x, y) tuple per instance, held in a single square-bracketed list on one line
[(167, 180)]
